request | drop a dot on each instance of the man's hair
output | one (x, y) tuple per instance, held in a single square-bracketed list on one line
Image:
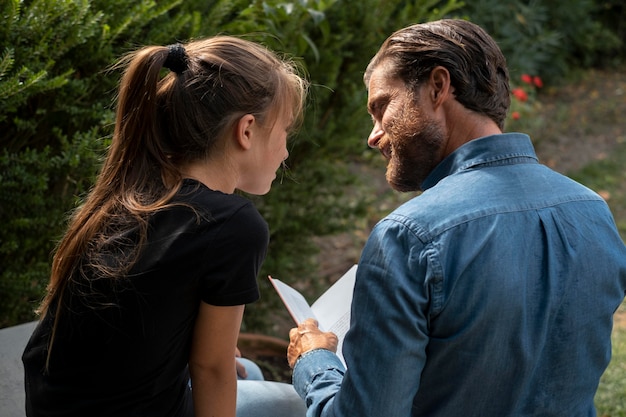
[(477, 67)]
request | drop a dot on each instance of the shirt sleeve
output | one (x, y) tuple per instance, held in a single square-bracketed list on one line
[(385, 349), (236, 257)]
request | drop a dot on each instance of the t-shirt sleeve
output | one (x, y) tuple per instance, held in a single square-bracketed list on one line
[(236, 256)]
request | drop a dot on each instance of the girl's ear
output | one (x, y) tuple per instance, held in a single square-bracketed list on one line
[(244, 130)]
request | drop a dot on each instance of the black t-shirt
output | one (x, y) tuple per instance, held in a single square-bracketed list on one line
[(122, 345)]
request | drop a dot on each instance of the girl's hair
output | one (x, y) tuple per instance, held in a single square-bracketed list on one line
[(477, 67), (163, 122)]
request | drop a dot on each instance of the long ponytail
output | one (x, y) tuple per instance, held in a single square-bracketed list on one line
[(132, 182)]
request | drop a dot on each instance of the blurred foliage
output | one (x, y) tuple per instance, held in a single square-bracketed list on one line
[(608, 177), (56, 107), (550, 38), (56, 114)]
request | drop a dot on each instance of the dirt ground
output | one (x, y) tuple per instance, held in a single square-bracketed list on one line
[(583, 121)]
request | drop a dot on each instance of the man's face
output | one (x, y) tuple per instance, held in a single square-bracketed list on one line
[(405, 131)]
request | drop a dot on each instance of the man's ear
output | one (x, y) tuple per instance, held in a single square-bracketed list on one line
[(244, 130), (440, 87)]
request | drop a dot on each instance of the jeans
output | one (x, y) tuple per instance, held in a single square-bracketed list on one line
[(268, 399), (252, 369), (259, 398)]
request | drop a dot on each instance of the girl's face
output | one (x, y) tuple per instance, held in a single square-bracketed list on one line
[(268, 151)]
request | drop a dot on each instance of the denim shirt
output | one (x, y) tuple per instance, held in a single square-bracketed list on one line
[(491, 294)]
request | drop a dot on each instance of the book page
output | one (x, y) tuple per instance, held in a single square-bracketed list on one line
[(332, 309), (296, 304)]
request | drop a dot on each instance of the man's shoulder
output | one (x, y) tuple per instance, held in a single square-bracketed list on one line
[(479, 193)]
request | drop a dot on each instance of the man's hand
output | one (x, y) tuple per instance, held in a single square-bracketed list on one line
[(307, 336)]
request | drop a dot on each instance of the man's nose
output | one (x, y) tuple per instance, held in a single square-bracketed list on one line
[(375, 135)]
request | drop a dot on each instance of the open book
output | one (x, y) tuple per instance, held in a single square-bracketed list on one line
[(331, 309)]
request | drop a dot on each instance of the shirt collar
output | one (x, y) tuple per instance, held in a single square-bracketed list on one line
[(499, 149)]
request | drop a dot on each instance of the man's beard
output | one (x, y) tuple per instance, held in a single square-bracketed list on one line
[(416, 149)]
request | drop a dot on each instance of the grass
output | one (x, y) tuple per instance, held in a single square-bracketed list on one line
[(608, 178), (611, 396)]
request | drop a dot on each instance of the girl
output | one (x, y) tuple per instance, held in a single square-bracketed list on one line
[(149, 283)]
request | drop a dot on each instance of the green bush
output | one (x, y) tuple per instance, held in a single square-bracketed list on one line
[(56, 107), (612, 14), (56, 114), (56, 118), (549, 38)]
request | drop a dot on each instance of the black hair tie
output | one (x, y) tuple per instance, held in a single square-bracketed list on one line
[(177, 59)]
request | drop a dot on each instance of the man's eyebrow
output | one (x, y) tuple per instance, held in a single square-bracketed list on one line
[(376, 102)]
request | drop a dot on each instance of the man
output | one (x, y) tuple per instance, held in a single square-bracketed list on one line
[(493, 292)]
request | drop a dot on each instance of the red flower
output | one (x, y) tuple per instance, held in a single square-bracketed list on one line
[(537, 81), (527, 78), (515, 115), (520, 94)]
